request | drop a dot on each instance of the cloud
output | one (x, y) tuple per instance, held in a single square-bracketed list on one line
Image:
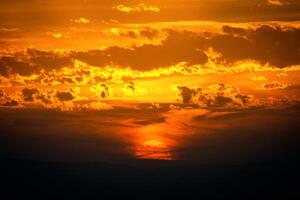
[(66, 100), (46, 98), (49, 59), (217, 95), (186, 94), (235, 31), (273, 86), (275, 2), (267, 44), (102, 90), (29, 93), (282, 74), (178, 47), (99, 106), (12, 64), (9, 32), (259, 78), (1, 93), (11, 103), (131, 89), (145, 32), (118, 69), (65, 96), (57, 35), (82, 20), (275, 45), (138, 8), (32, 61)]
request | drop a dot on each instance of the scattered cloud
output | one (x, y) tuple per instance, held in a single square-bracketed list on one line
[(275, 2), (265, 44), (57, 35), (259, 78), (64, 96), (131, 89), (282, 74), (217, 95), (138, 8), (82, 20), (144, 32), (101, 90), (274, 86), (11, 103), (178, 47), (29, 93), (99, 106)]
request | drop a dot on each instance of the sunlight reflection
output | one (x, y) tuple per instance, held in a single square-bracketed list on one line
[(154, 149), (152, 143), (161, 140)]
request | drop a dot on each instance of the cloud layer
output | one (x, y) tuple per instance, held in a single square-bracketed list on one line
[(218, 95)]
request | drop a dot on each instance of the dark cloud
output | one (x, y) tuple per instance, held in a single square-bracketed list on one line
[(274, 85), (149, 33), (145, 32), (12, 65), (234, 31), (105, 92), (178, 47), (278, 46), (48, 59), (32, 61), (10, 103), (186, 94), (65, 96), (28, 94), (36, 96), (6, 100), (1, 93), (218, 95), (275, 45), (131, 86)]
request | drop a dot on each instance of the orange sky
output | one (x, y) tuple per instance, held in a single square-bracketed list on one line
[(176, 57), (94, 52)]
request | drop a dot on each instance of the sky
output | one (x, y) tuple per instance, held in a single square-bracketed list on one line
[(201, 80)]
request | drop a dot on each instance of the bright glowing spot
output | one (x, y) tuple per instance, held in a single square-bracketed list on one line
[(82, 20), (57, 35), (154, 143), (259, 78)]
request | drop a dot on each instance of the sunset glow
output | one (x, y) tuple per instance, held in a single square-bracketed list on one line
[(194, 82)]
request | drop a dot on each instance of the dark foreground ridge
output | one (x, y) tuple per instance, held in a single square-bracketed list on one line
[(149, 179)]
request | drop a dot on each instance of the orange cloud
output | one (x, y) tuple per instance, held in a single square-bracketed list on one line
[(101, 90), (131, 89), (136, 33), (217, 95), (273, 86), (139, 8), (57, 35), (259, 78), (82, 20), (275, 2)]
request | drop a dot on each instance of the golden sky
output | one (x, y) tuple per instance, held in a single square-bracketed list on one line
[(176, 60)]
